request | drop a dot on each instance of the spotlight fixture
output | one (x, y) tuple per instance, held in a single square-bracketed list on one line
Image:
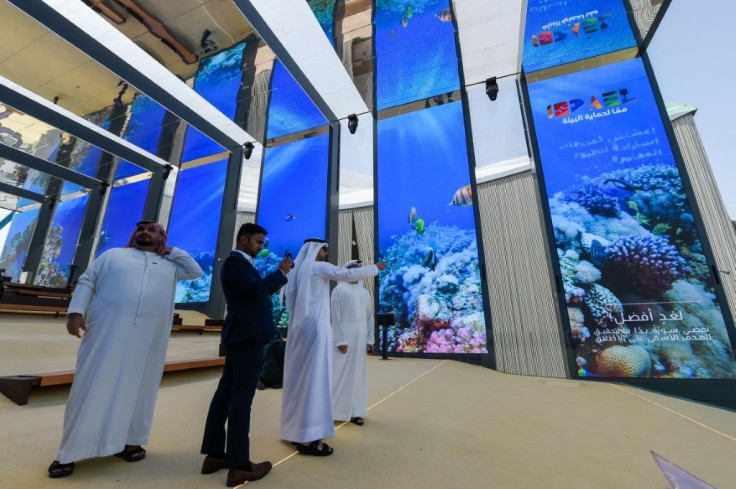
[(492, 88), (248, 150), (167, 171), (352, 123)]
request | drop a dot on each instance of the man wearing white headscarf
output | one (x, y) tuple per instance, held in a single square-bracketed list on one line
[(306, 404), (352, 334)]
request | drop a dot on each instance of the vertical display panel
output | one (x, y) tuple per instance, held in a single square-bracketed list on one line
[(289, 110), (85, 157), (564, 31), (426, 234), (194, 224), (415, 51), (293, 202), (637, 284), (61, 242), (124, 210), (17, 242), (144, 130), (218, 82)]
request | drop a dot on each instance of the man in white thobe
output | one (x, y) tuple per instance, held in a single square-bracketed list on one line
[(124, 303), (306, 404), (352, 335)]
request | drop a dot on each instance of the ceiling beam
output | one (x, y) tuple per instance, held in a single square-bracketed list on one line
[(79, 25), (38, 107), (292, 32), (54, 169), (21, 192)]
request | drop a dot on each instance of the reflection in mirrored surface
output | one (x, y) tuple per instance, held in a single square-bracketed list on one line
[(16, 245)]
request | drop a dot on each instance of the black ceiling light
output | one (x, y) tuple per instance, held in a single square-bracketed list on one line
[(492, 88), (248, 150), (352, 123)]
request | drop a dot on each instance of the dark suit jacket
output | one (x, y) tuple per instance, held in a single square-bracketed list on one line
[(249, 308)]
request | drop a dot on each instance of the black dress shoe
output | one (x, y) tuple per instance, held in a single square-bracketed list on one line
[(213, 464), (235, 477)]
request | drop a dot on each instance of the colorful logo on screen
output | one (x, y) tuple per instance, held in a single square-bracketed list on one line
[(607, 100), (587, 23)]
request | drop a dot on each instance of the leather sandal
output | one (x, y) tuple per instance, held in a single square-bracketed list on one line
[(57, 469), (357, 420), (133, 454), (313, 449)]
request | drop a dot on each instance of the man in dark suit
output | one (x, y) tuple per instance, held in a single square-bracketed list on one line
[(248, 326)]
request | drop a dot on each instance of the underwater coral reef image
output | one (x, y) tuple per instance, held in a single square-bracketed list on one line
[(61, 243), (427, 235), (638, 289), (17, 242), (124, 209)]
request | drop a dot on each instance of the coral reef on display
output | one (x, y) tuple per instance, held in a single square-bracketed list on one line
[(438, 309), (636, 282), (197, 290), (48, 272), (267, 263)]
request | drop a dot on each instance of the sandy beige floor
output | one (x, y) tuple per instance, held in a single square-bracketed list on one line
[(432, 424)]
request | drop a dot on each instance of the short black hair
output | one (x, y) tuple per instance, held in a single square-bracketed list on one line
[(250, 229)]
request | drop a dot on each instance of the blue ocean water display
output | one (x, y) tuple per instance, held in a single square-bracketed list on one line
[(217, 81), (416, 56), (637, 284), (194, 223), (426, 234), (85, 158), (143, 129), (290, 110), (293, 199), (124, 209), (324, 11), (17, 242), (61, 242), (564, 31)]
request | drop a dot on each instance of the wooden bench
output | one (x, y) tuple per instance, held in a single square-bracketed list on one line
[(35, 298), (198, 328), (18, 388)]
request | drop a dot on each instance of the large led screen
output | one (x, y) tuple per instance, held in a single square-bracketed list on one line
[(564, 31), (85, 158), (415, 51), (637, 284), (61, 242), (427, 235), (218, 82), (293, 202), (17, 242), (144, 130), (124, 210), (289, 110), (195, 221)]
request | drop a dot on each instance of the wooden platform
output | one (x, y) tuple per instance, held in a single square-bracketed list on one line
[(18, 388), (35, 298), (196, 328)]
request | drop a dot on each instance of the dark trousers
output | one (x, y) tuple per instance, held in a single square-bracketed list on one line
[(232, 402)]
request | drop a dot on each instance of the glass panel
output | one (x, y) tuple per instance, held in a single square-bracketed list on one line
[(415, 51), (61, 242), (85, 158), (195, 221), (144, 130), (564, 31), (426, 234), (16, 246), (218, 82), (289, 110), (124, 210), (293, 212), (324, 10), (638, 287)]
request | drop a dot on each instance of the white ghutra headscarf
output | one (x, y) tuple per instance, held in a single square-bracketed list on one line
[(297, 291)]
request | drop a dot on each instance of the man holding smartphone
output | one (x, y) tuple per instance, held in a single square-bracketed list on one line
[(248, 326)]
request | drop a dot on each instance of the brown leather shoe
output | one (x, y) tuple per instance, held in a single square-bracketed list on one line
[(235, 477), (212, 464)]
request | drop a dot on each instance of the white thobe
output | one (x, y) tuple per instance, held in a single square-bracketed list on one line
[(127, 299), (306, 404), (352, 325)]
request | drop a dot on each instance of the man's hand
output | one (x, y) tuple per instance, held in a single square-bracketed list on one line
[(75, 324), (369, 349), (343, 348), (286, 264), (166, 250), (381, 265)]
